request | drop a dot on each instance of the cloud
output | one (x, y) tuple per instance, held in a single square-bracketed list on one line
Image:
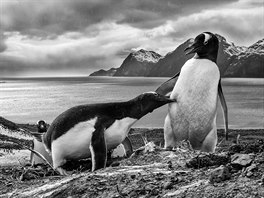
[(82, 36), (2, 42), (70, 51), (46, 17), (242, 26)]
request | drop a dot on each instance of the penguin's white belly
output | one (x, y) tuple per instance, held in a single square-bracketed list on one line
[(118, 131), (74, 144), (196, 94)]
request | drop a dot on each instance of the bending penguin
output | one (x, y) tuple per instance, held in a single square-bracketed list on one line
[(195, 87), (92, 129)]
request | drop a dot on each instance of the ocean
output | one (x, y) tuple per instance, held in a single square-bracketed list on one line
[(27, 100)]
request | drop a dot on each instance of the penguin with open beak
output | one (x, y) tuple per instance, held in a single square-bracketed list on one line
[(195, 87)]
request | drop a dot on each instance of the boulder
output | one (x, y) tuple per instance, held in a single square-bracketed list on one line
[(240, 161), (219, 174)]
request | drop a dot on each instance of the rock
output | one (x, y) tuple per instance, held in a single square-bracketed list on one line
[(261, 181), (170, 165), (114, 164), (207, 160), (239, 161), (168, 185), (103, 72), (219, 174), (249, 170)]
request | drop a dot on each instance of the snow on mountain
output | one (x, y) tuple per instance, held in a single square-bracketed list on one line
[(258, 46), (148, 56)]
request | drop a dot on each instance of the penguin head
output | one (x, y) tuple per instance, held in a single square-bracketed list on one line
[(150, 101), (205, 45), (42, 126)]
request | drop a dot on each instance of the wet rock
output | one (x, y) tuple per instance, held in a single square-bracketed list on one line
[(219, 174), (240, 161)]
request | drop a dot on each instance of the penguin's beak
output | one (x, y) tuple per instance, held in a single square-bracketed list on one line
[(193, 48), (169, 100)]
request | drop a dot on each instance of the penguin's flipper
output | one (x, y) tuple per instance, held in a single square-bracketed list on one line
[(98, 149), (224, 107), (37, 135), (167, 87)]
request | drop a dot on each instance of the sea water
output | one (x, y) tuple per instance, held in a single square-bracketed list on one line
[(27, 100)]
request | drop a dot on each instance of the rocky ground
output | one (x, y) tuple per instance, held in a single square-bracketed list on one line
[(235, 170)]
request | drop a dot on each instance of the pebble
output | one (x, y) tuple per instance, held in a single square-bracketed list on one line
[(168, 185), (219, 174)]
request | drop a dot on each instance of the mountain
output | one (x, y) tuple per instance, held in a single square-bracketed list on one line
[(138, 63), (172, 62), (103, 72), (248, 62), (233, 61)]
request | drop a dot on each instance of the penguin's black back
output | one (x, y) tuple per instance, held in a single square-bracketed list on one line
[(106, 114)]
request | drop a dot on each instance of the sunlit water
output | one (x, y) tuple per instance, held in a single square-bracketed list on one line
[(29, 100)]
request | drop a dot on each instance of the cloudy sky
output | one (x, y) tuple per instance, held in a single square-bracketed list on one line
[(77, 37)]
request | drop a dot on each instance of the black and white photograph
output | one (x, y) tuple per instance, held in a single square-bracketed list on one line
[(132, 98)]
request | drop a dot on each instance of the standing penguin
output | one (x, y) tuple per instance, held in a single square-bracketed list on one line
[(91, 130), (195, 87)]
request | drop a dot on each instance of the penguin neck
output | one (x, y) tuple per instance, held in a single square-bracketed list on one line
[(211, 56), (133, 109)]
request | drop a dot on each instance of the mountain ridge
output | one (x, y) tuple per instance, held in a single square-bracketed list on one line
[(233, 61)]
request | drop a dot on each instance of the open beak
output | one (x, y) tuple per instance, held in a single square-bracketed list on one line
[(192, 48), (170, 100)]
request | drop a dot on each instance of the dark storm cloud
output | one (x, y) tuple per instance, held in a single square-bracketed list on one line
[(152, 13), (43, 18)]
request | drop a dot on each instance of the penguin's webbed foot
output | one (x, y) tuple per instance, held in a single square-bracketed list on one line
[(168, 148), (62, 171)]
